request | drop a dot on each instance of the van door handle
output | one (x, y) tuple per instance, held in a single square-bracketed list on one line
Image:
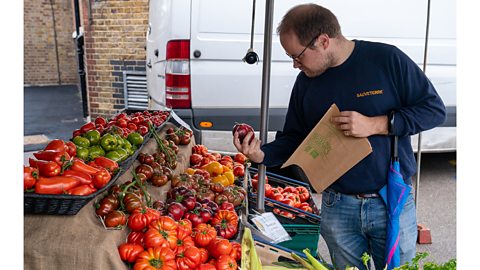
[(156, 52), (149, 64)]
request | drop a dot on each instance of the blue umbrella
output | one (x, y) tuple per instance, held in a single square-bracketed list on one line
[(395, 194)]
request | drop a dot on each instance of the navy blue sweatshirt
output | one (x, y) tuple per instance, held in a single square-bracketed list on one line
[(376, 79)]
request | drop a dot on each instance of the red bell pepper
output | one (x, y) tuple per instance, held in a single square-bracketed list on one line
[(82, 190), (85, 178), (87, 127), (55, 185), (46, 168), (71, 148), (80, 166), (59, 157), (110, 165), (57, 145)]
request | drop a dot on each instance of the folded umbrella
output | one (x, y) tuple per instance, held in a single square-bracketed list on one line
[(395, 194)]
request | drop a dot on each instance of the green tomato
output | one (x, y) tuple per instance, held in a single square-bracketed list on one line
[(113, 155), (93, 136), (108, 142), (82, 153), (135, 138), (81, 141), (95, 151)]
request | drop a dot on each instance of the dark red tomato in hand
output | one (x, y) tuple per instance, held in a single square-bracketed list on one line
[(243, 129)]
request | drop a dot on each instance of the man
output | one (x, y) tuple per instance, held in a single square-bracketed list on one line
[(380, 92)]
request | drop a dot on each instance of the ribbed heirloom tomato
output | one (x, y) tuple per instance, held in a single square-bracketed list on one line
[(129, 252), (204, 234), (188, 258), (160, 258)]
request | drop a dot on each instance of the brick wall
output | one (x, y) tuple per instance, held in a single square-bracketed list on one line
[(49, 51), (114, 42)]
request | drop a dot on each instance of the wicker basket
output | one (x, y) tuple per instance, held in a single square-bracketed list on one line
[(60, 204)]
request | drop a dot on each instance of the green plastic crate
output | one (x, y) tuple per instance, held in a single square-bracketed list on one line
[(303, 236)]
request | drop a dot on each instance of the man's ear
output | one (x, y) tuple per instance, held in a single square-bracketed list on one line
[(323, 41)]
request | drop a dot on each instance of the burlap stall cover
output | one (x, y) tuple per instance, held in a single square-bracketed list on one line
[(80, 241)]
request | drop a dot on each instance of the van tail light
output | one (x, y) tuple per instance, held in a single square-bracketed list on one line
[(177, 75)]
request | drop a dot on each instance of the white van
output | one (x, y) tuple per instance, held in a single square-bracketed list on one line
[(195, 50)]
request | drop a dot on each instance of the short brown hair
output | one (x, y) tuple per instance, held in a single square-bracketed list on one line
[(308, 21)]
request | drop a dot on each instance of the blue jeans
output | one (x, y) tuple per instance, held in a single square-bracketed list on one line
[(352, 226)]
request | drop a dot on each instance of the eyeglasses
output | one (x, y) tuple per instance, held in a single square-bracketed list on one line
[(296, 58)]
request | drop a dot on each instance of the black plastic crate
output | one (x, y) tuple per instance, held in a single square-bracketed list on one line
[(300, 216)]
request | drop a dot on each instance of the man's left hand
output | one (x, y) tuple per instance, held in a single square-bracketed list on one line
[(355, 124)]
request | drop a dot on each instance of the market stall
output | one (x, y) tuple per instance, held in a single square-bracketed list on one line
[(63, 229)]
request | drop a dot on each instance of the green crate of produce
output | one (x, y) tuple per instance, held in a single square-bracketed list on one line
[(303, 236)]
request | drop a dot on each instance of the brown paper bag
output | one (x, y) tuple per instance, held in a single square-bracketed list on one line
[(326, 153)]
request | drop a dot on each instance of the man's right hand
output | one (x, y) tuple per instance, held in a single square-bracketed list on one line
[(252, 150)]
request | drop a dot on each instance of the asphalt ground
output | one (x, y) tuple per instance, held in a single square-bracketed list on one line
[(50, 112), (55, 112)]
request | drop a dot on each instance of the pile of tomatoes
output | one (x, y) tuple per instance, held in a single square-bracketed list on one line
[(297, 197), (180, 136), (127, 123), (57, 171), (221, 169), (176, 244)]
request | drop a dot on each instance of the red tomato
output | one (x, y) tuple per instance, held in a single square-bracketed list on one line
[(255, 181), (115, 219), (240, 158), (303, 193), (239, 170), (195, 159), (101, 121), (30, 176), (132, 126), (219, 247), (129, 252), (225, 262), (121, 122), (242, 129), (143, 130), (135, 238)]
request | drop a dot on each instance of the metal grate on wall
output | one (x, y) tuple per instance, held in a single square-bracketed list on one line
[(135, 90)]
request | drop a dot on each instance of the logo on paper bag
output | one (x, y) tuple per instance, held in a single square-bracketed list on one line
[(318, 146)]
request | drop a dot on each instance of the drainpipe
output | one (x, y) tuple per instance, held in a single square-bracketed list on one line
[(79, 40)]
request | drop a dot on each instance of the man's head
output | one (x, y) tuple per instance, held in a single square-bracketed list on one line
[(305, 33)]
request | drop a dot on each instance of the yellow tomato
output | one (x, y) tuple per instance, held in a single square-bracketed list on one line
[(214, 168), (222, 179), (190, 171), (226, 169), (230, 177)]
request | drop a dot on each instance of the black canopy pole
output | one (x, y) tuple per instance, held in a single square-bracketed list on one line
[(267, 56), (79, 40)]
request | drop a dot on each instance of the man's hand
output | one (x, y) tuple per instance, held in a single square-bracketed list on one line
[(252, 150), (355, 124)]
